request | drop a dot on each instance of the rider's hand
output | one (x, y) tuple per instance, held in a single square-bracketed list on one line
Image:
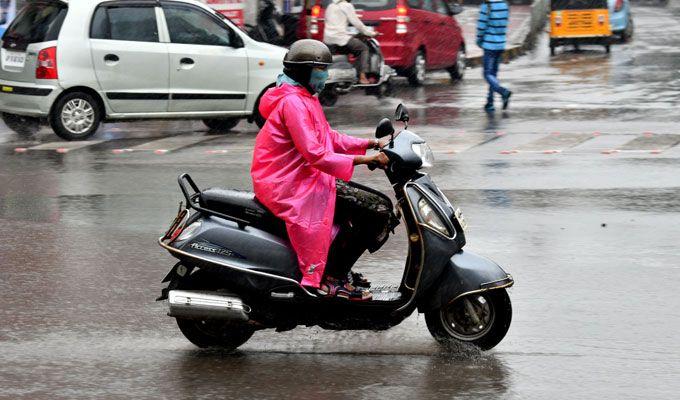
[(380, 159), (383, 142)]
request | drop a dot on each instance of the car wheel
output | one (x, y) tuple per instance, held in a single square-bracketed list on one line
[(221, 125), (628, 32), (458, 69), (416, 74), (20, 124), (75, 116)]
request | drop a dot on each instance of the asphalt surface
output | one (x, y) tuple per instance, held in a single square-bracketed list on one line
[(574, 190)]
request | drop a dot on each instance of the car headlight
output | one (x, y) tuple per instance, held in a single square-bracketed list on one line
[(424, 151), (430, 217)]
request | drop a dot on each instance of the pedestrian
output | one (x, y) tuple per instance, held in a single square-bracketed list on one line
[(492, 27)]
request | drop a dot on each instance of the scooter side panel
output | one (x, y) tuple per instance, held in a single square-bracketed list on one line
[(466, 272), (248, 248)]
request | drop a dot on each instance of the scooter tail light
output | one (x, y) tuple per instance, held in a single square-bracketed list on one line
[(47, 64), (316, 11)]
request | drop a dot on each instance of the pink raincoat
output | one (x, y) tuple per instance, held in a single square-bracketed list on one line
[(296, 161)]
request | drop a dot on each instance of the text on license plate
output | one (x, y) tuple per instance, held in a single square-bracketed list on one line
[(13, 59)]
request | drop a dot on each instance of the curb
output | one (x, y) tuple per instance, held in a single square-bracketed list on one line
[(528, 31)]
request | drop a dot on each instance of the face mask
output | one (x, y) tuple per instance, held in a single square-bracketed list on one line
[(318, 79)]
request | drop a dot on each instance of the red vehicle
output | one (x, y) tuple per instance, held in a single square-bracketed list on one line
[(416, 35)]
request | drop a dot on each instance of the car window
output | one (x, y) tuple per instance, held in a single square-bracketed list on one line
[(37, 22), (190, 25), (441, 7), (428, 5), (136, 24)]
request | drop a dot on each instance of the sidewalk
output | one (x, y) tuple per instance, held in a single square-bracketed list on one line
[(519, 31)]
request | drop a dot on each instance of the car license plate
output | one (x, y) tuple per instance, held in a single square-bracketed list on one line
[(354, 31), (13, 59)]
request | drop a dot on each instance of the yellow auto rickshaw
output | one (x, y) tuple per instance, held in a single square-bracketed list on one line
[(578, 22)]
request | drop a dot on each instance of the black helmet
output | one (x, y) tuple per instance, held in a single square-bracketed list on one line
[(308, 52)]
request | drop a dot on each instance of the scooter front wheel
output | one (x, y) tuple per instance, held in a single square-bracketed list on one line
[(481, 319)]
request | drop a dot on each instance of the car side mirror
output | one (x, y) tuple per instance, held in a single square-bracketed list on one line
[(401, 114), (384, 128), (455, 9)]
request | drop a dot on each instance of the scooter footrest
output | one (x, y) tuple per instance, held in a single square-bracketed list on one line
[(385, 292)]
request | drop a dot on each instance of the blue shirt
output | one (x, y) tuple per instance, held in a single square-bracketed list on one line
[(492, 25)]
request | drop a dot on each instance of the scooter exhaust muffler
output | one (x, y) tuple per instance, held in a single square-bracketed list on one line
[(205, 304)]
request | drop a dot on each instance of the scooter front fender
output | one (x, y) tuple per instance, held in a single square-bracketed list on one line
[(466, 273)]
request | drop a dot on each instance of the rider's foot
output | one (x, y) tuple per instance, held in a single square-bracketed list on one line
[(363, 80), (332, 287), (358, 280)]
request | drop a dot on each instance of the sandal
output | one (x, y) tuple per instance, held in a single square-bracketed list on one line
[(332, 287), (358, 280)]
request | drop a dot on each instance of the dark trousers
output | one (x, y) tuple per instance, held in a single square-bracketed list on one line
[(365, 218), (360, 50), (492, 59)]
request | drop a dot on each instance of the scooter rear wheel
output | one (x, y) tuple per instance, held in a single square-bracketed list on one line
[(480, 319), (211, 332)]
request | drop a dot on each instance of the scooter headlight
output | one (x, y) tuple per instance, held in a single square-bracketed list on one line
[(430, 217), (424, 151), (189, 231)]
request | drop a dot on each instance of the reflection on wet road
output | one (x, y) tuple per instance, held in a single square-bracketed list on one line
[(591, 238)]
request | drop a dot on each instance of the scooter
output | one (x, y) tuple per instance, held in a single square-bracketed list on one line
[(237, 272), (343, 76)]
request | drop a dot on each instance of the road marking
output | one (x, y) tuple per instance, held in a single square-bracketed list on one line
[(64, 147), (166, 145), (647, 143), (554, 143)]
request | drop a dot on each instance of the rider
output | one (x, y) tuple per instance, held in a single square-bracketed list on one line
[(297, 159), (339, 14)]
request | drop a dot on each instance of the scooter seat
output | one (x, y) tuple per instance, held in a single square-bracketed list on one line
[(243, 205)]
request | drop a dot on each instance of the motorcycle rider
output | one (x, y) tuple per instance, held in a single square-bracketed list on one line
[(339, 14), (298, 158)]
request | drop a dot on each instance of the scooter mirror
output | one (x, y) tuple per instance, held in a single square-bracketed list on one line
[(401, 114), (455, 9), (384, 128)]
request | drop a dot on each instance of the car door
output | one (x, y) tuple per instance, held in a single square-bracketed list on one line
[(433, 38), (130, 61), (208, 63)]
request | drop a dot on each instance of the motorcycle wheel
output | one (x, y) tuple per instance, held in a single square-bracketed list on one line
[(480, 319), (457, 71), (210, 332)]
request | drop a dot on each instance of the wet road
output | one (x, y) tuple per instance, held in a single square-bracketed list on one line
[(575, 191)]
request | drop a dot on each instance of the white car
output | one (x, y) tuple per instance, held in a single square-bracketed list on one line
[(77, 63)]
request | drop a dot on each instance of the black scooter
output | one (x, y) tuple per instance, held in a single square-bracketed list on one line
[(237, 272)]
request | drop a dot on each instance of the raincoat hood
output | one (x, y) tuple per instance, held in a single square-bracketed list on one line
[(273, 96)]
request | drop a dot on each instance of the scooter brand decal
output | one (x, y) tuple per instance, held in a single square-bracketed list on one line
[(208, 247)]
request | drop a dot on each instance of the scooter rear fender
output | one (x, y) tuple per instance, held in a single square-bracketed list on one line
[(466, 273)]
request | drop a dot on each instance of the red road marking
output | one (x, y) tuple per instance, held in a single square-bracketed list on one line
[(597, 133), (500, 133), (216, 151), (613, 151), (62, 150), (509, 152), (554, 151), (648, 134), (20, 150), (656, 151), (161, 151)]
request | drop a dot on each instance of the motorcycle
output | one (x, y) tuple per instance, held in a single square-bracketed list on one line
[(343, 76), (237, 272)]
